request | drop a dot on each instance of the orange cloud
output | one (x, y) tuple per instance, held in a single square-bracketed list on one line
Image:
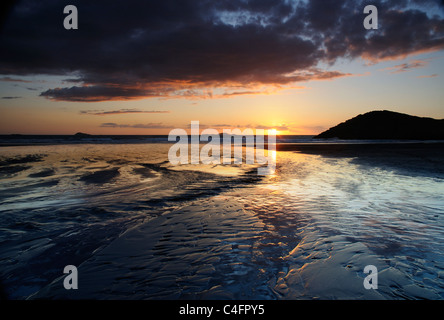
[(121, 111)]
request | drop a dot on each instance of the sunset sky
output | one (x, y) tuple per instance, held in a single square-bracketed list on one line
[(146, 67)]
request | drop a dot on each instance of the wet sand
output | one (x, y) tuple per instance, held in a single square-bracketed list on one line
[(402, 157), (138, 228)]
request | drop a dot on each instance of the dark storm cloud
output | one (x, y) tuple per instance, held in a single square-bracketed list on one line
[(141, 49), (100, 92)]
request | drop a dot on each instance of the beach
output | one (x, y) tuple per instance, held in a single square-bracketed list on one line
[(137, 227)]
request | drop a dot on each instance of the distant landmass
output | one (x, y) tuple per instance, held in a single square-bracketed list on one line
[(379, 125), (81, 134)]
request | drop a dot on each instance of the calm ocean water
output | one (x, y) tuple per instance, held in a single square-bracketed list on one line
[(139, 228)]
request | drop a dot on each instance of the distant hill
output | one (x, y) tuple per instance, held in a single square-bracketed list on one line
[(81, 134), (387, 125)]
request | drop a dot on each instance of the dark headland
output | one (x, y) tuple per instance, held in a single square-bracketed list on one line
[(383, 125), (81, 135)]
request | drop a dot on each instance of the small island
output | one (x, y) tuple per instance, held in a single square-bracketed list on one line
[(82, 135), (384, 125)]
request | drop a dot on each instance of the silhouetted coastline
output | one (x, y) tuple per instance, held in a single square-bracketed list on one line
[(386, 125)]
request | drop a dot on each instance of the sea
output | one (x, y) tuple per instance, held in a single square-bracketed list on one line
[(137, 227)]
